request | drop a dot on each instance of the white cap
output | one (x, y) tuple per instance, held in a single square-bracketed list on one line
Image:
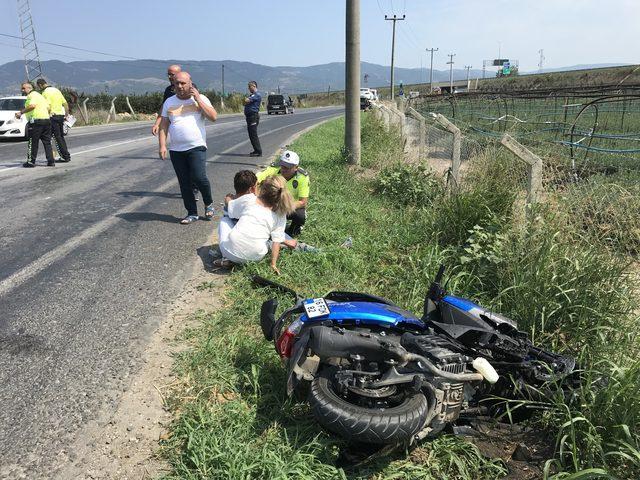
[(289, 158)]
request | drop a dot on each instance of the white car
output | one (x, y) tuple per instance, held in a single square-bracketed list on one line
[(10, 126), (366, 93)]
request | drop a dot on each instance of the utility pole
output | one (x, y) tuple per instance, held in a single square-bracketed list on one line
[(32, 65), (394, 19), (468, 67), (450, 63), (431, 69), (223, 79), (541, 62), (352, 83)]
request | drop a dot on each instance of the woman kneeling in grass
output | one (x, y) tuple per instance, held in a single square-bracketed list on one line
[(260, 224)]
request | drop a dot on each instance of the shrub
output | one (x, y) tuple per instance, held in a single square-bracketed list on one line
[(408, 184)]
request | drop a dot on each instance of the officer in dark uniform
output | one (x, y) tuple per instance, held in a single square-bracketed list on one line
[(297, 184)]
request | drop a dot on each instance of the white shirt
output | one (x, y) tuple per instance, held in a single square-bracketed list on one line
[(186, 130), (249, 238), (237, 206)]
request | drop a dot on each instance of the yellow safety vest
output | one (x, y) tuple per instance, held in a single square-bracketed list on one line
[(55, 99), (41, 112)]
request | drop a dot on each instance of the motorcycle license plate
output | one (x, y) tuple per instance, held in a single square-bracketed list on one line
[(316, 307)]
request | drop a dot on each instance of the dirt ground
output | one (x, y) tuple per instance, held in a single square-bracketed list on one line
[(122, 445)]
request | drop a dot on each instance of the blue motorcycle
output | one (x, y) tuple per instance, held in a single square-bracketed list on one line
[(375, 373)]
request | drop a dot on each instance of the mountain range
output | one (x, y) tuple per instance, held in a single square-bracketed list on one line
[(140, 76)]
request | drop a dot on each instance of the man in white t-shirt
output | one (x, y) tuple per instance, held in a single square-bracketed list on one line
[(183, 120)]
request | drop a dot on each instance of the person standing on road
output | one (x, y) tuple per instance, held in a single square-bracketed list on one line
[(170, 91), (183, 119), (36, 109), (251, 112), (59, 109)]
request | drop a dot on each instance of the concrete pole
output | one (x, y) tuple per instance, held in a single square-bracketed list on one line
[(450, 63), (352, 83), (468, 67), (431, 69), (394, 19)]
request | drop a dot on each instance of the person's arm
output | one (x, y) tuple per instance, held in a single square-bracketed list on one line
[(275, 253), (162, 138), (206, 107), (25, 110), (67, 108), (302, 203), (156, 124), (303, 192)]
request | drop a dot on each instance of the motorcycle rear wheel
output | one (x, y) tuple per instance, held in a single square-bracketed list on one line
[(356, 423)]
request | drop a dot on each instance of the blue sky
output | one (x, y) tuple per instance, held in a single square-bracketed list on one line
[(305, 32)]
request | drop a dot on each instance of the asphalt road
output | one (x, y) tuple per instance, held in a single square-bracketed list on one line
[(91, 255)]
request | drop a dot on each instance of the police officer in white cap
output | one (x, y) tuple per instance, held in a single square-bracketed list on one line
[(297, 184)]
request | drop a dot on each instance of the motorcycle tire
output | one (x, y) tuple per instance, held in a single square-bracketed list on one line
[(366, 425)]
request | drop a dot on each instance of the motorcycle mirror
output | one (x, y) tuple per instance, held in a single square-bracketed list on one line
[(264, 282), (440, 273)]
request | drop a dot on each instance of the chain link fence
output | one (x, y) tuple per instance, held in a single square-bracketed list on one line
[(578, 150)]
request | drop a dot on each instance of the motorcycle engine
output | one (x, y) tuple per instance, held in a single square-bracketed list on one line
[(448, 396)]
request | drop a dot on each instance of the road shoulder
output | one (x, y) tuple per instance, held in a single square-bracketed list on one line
[(123, 443)]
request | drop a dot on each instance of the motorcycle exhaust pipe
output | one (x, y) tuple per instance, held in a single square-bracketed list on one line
[(329, 342)]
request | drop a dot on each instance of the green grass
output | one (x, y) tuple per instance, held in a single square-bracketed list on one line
[(233, 419)]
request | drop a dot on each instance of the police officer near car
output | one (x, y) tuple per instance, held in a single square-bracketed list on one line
[(252, 115), (297, 183), (59, 110), (36, 109)]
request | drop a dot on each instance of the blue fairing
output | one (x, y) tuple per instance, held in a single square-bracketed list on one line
[(368, 313), (461, 303)]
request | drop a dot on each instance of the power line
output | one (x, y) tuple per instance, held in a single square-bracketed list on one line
[(74, 48)]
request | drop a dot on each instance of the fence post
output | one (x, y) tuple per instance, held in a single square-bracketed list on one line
[(423, 131), (133, 114), (457, 140), (112, 111), (386, 117), (83, 111), (534, 184)]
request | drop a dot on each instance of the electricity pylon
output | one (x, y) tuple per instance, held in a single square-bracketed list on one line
[(32, 65)]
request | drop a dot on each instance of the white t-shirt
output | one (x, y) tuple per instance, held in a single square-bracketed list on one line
[(186, 130), (248, 239), (236, 207)]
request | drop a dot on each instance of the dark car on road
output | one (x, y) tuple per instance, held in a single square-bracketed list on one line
[(277, 103)]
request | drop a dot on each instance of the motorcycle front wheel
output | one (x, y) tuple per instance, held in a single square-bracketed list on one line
[(377, 424)]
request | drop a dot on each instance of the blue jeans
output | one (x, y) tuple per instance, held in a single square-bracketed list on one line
[(190, 168)]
